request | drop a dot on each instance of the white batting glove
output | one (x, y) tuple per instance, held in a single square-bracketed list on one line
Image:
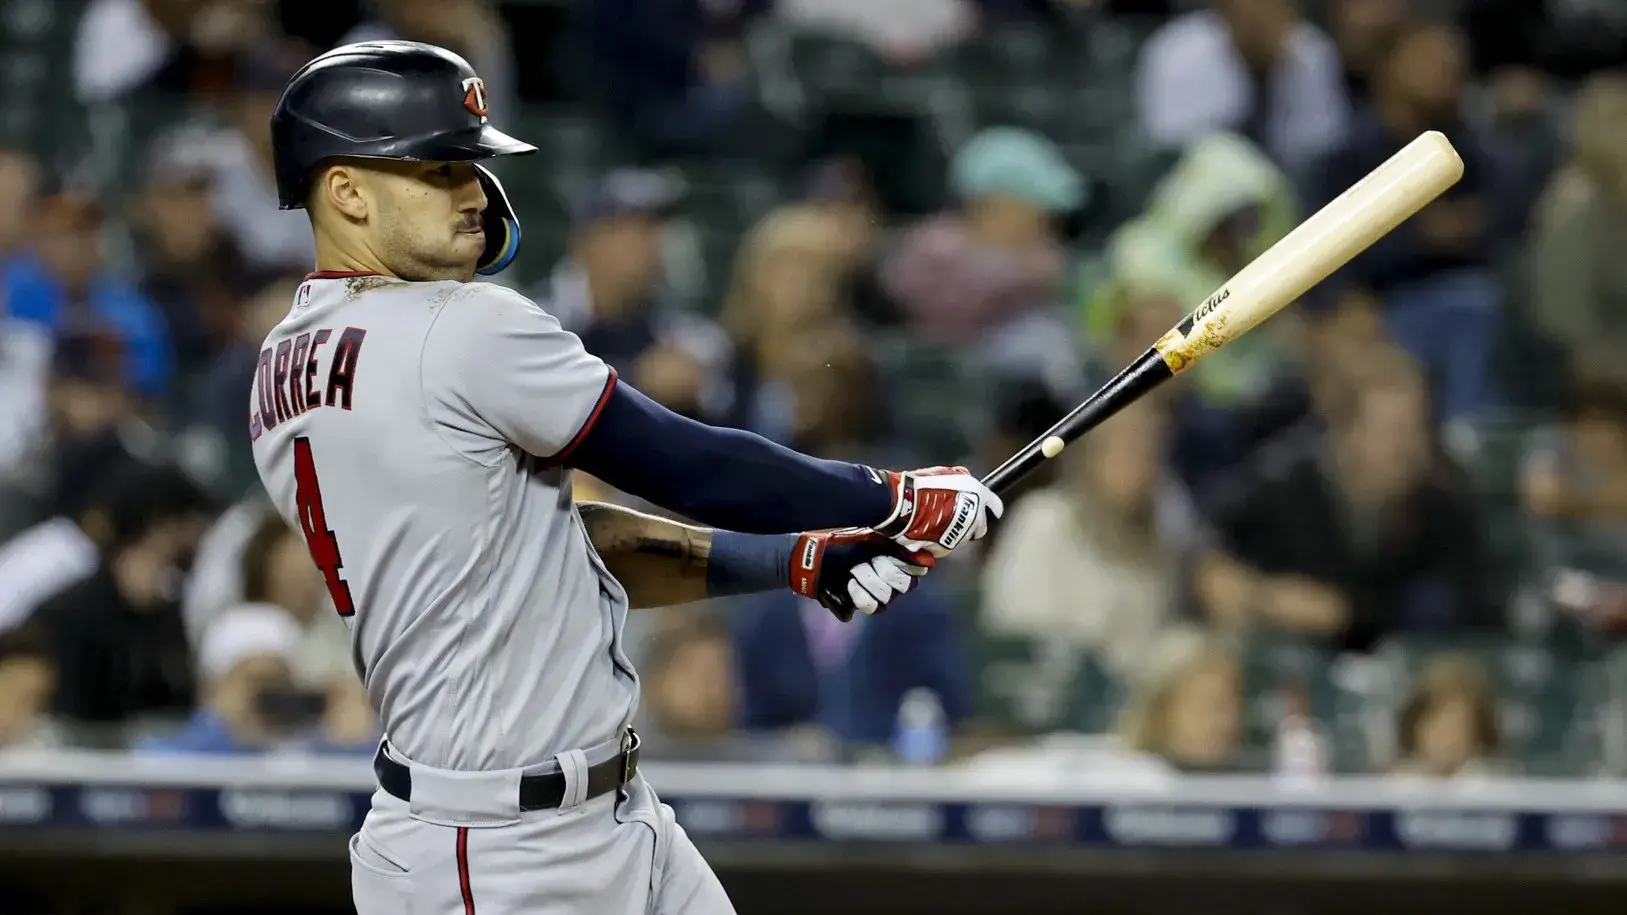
[(938, 508)]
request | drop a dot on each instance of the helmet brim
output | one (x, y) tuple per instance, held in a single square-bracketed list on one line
[(487, 143)]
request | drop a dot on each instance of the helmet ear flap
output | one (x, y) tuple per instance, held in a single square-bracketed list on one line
[(500, 224)]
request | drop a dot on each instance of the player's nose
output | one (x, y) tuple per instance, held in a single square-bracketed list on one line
[(469, 194)]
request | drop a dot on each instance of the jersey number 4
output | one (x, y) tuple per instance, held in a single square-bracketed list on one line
[(313, 520)]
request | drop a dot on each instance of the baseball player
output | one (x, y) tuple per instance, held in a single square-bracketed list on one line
[(420, 428)]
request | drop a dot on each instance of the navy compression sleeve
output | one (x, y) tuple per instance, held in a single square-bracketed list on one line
[(723, 477), (749, 563)]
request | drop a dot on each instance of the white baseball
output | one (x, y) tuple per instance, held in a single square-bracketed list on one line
[(1051, 447)]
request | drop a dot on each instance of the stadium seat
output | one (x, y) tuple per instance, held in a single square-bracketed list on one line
[(945, 398), (1338, 689), (1023, 686), (37, 108), (835, 72), (1031, 686)]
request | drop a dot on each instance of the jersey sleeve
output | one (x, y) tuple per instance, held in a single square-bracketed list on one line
[(497, 367)]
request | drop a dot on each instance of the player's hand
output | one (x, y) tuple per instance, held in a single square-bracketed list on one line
[(938, 509), (854, 570)]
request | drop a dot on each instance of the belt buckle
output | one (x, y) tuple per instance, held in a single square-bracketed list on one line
[(629, 757)]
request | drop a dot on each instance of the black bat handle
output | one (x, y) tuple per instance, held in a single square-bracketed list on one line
[(1147, 372)]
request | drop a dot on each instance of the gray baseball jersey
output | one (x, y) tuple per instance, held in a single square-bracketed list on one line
[(411, 431)]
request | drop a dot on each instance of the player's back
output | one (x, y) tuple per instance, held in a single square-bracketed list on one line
[(483, 623)]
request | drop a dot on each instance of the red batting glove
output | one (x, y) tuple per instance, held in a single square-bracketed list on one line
[(854, 570), (938, 509)]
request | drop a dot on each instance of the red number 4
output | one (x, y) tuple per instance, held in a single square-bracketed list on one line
[(314, 522)]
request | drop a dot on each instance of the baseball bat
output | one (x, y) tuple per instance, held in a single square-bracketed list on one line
[(1320, 245)]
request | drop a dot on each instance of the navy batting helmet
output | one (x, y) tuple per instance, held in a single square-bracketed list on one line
[(393, 100)]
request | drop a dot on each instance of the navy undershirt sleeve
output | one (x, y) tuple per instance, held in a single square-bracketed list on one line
[(725, 478), (748, 563)]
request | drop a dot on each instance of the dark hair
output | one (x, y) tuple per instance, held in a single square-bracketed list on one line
[(256, 562), (1597, 399), (1448, 676), (141, 497), (1025, 407), (26, 641)]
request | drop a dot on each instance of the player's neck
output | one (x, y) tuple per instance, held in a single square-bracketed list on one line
[(335, 256)]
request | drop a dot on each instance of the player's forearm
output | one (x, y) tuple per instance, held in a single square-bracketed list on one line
[(662, 563), (724, 477)]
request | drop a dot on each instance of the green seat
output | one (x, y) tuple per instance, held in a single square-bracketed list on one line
[(1095, 698), (1036, 105), (944, 394), (1275, 666), (1092, 113), (1022, 685), (1035, 686), (1502, 441), (1112, 46), (834, 69), (1527, 365), (718, 253), (38, 111), (1021, 49), (714, 206)]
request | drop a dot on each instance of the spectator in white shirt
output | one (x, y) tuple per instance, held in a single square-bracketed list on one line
[(125, 45), (41, 561), (1252, 67), (1108, 559), (245, 189)]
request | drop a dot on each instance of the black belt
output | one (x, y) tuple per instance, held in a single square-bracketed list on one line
[(537, 792)]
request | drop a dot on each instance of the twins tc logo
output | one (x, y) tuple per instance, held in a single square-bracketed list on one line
[(474, 96)]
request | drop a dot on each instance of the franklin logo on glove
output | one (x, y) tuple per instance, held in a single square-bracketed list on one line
[(937, 509), (965, 510)]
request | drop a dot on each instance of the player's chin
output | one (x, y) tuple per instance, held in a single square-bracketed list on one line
[(466, 247)]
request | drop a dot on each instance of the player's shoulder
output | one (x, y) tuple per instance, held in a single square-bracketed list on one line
[(476, 319), (492, 295), (476, 301)]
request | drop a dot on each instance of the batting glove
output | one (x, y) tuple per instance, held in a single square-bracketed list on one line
[(938, 509), (854, 570)]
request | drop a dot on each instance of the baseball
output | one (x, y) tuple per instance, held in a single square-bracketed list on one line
[(1051, 447)]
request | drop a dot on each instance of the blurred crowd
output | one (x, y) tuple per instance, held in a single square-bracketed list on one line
[(1375, 523)]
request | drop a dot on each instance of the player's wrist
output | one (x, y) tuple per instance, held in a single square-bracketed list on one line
[(749, 563), (901, 494)]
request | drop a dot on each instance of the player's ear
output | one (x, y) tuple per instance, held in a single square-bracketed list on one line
[(343, 188)]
